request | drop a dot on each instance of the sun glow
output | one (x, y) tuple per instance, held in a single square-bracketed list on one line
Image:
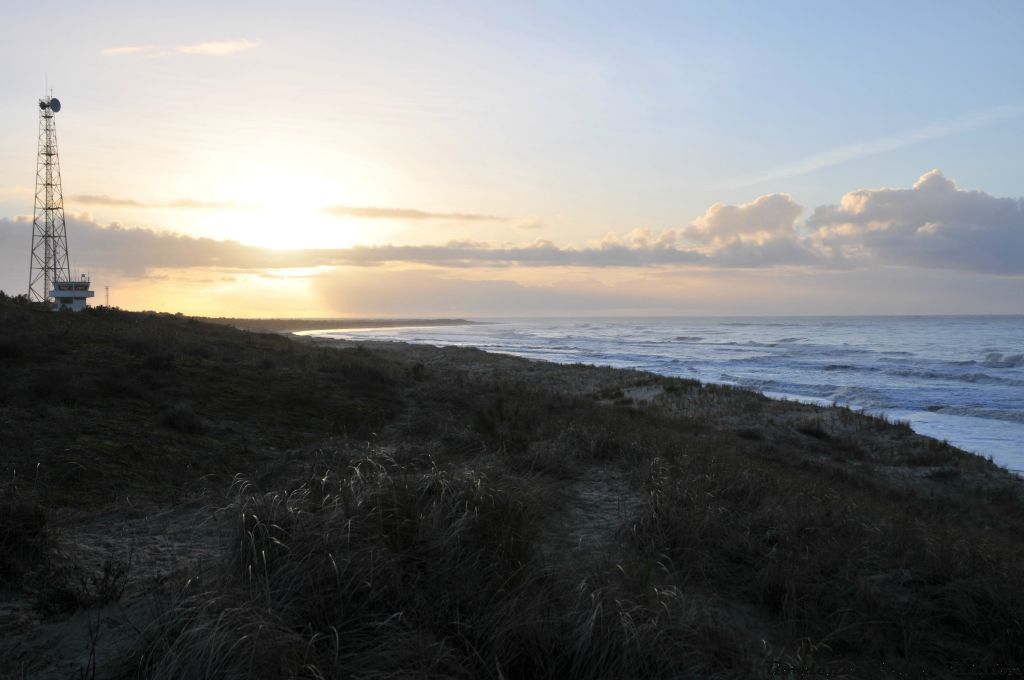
[(284, 209), (280, 203)]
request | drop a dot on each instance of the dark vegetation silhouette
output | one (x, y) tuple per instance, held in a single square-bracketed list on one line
[(392, 511)]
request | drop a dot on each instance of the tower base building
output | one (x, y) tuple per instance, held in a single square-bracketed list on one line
[(71, 295)]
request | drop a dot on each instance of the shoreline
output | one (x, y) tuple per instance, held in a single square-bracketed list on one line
[(886, 414), (995, 434)]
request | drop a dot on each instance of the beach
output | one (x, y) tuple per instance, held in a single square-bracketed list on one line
[(959, 379)]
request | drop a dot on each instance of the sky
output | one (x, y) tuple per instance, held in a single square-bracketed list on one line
[(525, 159)]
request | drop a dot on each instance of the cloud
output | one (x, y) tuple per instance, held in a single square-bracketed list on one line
[(103, 199), (126, 50), (213, 48), (218, 48), (191, 203), (851, 152), (767, 217), (188, 203), (406, 214), (933, 225), (134, 252), (531, 225), (541, 253)]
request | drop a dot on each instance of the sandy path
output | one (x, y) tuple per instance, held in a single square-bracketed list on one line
[(596, 506)]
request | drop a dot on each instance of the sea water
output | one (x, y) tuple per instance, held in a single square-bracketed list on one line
[(957, 378)]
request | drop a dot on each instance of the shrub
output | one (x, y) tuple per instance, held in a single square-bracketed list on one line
[(64, 587)]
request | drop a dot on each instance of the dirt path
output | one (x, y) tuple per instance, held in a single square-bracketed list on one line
[(597, 504)]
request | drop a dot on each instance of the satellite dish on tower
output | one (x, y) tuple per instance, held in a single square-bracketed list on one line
[(54, 104)]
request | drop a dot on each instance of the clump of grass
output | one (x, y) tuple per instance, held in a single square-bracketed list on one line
[(352, 574)]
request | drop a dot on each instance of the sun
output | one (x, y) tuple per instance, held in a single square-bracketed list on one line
[(284, 209), (275, 198), (282, 204)]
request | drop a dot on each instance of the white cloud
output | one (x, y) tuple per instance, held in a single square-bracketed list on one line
[(218, 48), (767, 217), (213, 48), (126, 50), (934, 225)]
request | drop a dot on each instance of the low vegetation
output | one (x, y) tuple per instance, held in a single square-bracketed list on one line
[(386, 511)]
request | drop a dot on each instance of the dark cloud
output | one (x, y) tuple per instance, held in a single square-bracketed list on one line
[(932, 225), (407, 214)]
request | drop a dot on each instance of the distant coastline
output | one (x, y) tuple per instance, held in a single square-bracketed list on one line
[(299, 325), (956, 378)]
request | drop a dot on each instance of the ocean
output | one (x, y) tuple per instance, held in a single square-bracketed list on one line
[(957, 378)]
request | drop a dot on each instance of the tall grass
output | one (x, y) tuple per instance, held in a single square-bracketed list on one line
[(385, 571), (432, 535), (875, 578)]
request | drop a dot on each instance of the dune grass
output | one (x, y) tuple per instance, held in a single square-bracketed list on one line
[(387, 571), (397, 511)]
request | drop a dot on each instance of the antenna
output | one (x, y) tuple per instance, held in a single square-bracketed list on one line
[(49, 276), (49, 262), (107, 304)]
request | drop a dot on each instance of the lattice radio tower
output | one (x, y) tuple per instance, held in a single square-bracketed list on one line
[(49, 262)]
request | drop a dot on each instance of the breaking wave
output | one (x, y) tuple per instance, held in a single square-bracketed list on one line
[(1000, 360)]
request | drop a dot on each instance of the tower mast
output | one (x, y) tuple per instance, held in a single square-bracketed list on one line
[(49, 261)]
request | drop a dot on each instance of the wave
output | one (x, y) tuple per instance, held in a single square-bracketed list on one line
[(1000, 360), (861, 396), (983, 378), (1007, 415), (688, 338), (747, 323)]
